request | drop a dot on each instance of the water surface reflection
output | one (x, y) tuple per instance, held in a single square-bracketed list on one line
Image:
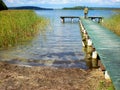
[(59, 46)]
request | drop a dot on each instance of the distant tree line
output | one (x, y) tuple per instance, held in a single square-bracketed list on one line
[(74, 8), (30, 7), (90, 8), (2, 5)]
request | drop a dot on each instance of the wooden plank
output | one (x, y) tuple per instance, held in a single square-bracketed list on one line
[(107, 45)]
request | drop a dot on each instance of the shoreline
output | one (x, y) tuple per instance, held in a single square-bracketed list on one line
[(14, 77)]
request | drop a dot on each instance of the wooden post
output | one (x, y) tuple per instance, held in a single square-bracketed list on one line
[(62, 19), (107, 76), (101, 19), (72, 20), (87, 45), (89, 42), (84, 35), (101, 66), (94, 58)]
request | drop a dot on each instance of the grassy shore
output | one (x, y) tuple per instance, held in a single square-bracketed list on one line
[(19, 26), (13, 77), (113, 23)]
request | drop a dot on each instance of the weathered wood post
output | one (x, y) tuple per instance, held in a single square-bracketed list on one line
[(101, 20), (87, 45), (107, 76), (91, 53), (72, 20), (62, 19), (94, 58)]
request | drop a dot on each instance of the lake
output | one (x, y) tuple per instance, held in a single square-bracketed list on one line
[(59, 46)]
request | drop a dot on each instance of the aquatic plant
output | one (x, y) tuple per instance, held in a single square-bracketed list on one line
[(19, 26)]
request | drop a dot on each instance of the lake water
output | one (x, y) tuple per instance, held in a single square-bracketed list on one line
[(59, 46)]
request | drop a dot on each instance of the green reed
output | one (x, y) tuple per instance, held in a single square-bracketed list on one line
[(113, 23), (19, 26)]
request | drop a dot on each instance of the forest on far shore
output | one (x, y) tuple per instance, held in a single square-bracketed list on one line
[(91, 8)]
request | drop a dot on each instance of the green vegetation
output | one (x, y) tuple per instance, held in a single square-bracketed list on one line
[(105, 85), (74, 8), (2, 5), (118, 10), (30, 8), (113, 23), (19, 26), (90, 8)]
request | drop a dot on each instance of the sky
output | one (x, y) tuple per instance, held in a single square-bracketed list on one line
[(63, 3)]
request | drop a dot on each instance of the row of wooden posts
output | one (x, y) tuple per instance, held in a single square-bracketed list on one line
[(95, 18), (92, 57), (91, 53)]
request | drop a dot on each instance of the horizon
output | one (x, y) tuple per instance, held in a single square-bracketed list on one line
[(56, 4), (64, 7)]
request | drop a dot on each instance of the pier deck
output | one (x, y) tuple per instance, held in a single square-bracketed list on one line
[(107, 44), (71, 17)]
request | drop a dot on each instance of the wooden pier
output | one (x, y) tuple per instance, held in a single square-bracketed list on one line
[(71, 17), (107, 46), (99, 19)]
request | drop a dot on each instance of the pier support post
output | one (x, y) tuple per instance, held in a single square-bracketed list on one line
[(72, 20), (94, 58), (100, 20), (91, 53), (107, 76), (62, 20)]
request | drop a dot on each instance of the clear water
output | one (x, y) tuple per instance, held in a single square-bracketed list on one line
[(59, 46)]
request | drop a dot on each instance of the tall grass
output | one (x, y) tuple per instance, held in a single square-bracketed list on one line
[(19, 26), (113, 23)]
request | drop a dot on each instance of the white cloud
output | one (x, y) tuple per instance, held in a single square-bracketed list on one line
[(116, 1), (54, 1), (10, 1), (59, 2)]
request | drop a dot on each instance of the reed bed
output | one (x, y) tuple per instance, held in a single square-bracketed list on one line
[(113, 23), (19, 26)]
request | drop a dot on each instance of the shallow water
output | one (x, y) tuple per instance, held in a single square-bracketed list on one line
[(59, 46)]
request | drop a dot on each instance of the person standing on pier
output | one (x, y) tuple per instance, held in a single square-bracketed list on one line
[(85, 12)]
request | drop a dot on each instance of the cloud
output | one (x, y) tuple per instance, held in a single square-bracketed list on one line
[(55, 1), (14, 1), (116, 1), (51, 1), (62, 2), (10, 1), (37, 1)]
